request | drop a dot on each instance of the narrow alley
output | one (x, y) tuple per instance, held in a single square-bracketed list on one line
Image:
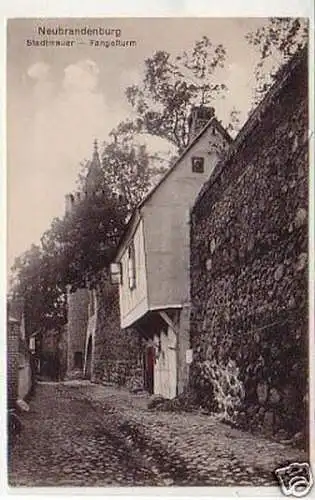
[(82, 434)]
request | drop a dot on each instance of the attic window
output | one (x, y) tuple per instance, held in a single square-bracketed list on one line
[(214, 131), (198, 164)]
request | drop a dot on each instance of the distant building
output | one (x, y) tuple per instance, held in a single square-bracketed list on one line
[(19, 363), (96, 348), (81, 322), (152, 261), (13, 335)]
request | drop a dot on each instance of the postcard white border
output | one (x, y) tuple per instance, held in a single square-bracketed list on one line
[(142, 8)]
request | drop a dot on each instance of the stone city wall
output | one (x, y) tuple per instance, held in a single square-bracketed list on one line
[(249, 267)]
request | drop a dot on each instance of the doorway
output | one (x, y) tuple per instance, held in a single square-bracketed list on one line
[(78, 360)]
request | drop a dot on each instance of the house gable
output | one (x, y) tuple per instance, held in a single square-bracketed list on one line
[(160, 229), (217, 136), (212, 128), (166, 214)]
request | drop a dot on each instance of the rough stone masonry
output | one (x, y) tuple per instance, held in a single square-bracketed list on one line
[(249, 259)]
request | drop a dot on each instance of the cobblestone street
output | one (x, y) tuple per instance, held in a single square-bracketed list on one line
[(65, 442), (81, 434)]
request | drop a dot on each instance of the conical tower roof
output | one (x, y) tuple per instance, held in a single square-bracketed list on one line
[(94, 177)]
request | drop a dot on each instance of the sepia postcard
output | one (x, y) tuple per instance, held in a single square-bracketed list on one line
[(158, 255)]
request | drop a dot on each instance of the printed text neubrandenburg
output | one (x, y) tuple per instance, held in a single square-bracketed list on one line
[(83, 31)]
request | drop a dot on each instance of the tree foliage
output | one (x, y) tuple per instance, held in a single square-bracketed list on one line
[(34, 278), (77, 248), (83, 242), (172, 85), (74, 251), (129, 169), (277, 41)]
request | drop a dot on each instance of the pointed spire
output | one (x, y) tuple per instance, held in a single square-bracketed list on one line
[(94, 175), (96, 158)]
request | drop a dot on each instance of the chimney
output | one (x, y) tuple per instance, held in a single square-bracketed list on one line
[(69, 203), (198, 118)]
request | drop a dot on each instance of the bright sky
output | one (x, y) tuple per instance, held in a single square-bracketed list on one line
[(60, 99)]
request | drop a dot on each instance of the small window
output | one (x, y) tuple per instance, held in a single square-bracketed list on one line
[(132, 266), (116, 273), (32, 344), (198, 164)]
